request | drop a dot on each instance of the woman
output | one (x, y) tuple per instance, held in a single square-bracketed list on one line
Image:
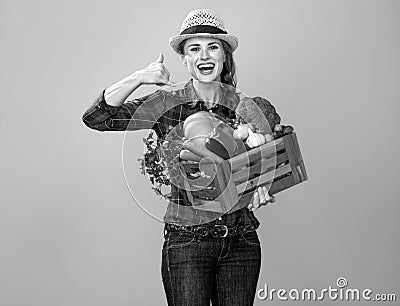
[(206, 256)]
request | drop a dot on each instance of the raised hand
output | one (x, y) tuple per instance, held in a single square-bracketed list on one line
[(155, 73)]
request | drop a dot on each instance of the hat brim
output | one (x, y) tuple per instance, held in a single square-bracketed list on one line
[(175, 41)]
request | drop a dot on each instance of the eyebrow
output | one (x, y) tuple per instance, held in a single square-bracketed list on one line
[(211, 43)]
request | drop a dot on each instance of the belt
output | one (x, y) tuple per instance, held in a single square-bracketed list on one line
[(214, 230)]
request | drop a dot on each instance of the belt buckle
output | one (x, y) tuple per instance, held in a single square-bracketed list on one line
[(224, 227)]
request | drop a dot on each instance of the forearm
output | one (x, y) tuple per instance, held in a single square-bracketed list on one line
[(111, 111), (141, 113), (116, 94)]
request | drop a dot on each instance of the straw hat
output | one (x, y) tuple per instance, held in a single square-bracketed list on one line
[(203, 23)]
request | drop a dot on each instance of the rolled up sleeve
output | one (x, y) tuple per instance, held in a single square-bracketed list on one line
[(141, 113)]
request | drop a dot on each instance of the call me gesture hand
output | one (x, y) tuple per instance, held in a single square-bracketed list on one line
[(155, 73)]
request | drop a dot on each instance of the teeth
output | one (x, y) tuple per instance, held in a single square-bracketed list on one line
[(205, 66)]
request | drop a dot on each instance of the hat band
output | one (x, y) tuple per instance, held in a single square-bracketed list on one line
[(203, 29)]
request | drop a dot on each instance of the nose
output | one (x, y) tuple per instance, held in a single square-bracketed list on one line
[(204, 53)]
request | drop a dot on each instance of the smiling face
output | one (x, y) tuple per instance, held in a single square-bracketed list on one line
[(204, 58)]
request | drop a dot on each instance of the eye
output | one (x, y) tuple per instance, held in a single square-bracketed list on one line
[(214, 47), (194, 49)]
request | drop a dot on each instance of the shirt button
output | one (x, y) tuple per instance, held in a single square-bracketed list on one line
[(220, 218)]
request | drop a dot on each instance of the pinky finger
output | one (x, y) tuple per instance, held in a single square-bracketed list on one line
[(164, 82)]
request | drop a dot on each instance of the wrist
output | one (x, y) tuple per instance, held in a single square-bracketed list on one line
[(135, 79)]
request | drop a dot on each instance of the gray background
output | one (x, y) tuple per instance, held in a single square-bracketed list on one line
[(71, 233)]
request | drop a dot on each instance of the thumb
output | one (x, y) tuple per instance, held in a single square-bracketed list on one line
[(160, 59)]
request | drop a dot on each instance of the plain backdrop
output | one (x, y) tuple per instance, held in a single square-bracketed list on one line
[(71, 234)]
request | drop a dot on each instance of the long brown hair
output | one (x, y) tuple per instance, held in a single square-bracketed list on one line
[(228, 73)]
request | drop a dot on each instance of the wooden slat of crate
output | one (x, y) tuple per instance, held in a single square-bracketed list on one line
[(263, 179), (200, 182), (291, 151), (264, 151), (277, 186), (263, 166), (295, 168), (283, 177), (205, 193), (283, 183), (301, 167), (224, 187)]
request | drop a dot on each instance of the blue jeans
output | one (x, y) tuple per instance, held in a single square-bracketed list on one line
[(196, 270)]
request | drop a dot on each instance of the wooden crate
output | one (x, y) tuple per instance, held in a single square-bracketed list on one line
[(277, 164)]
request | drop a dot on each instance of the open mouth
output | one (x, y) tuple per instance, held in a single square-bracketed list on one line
[(206, 68)]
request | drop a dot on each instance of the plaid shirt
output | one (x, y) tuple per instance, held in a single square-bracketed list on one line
[(162, 111)]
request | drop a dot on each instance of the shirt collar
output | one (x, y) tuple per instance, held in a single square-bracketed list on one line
[(193, 99)]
